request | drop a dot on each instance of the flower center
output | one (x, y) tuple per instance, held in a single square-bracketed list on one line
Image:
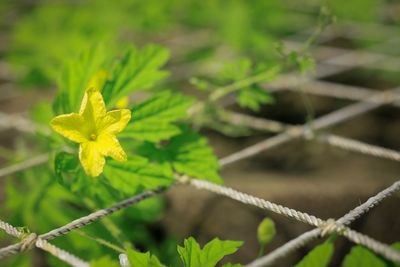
[(93, 136)]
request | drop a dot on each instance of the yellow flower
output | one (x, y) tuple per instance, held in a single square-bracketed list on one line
[(94, 129)]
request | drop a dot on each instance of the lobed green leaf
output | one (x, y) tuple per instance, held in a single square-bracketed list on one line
[(193, 256), (153, 119), (138, 69)]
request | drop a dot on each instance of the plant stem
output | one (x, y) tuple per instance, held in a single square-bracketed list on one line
[(224, 90), (261, 251), (102, 242)]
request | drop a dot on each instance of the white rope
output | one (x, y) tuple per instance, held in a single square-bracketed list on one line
[(326, 227), (123, 260), (32, 240), (35, 161), (357, 146), (328, 120), (9, 121), (304, 239), (83, 221), (333, 140)]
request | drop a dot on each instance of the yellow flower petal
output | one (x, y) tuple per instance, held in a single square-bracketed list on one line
[(122, 102), (115, 121), (98, 80), (110, 147), (71, 126), (91, 158), (92, 107)]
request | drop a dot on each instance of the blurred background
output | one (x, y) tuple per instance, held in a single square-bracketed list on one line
[(359, 50)]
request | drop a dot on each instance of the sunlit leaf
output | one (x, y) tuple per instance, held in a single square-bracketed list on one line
[(153, 119), (320, 256)]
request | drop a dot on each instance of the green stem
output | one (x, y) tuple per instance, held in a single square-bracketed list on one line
[(224, 90), (102, 242), (261, 252)]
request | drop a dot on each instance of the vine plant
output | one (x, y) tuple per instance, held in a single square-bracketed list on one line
[(118, 130)]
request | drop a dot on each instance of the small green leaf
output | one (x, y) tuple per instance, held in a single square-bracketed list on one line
[(193, 256), (104, 262), (266, 231), (200, 84), (306, 63), (153, 119), (137, 70), (320, 256), (138, 259), (236, 70), (361, 256), (253, 97)]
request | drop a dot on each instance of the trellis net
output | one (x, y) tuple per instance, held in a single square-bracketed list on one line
[(365, 100)]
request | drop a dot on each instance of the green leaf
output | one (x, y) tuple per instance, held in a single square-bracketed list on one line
[(76, 76), (232, 265), (236, 70), (306, 63), (136, 173), (104, 262), (153, 119), (138, 259), (361, 256), (266, 231), (65, 163), (193, 256), (253, 97), (137, 70), (187, 153), (320, 256)]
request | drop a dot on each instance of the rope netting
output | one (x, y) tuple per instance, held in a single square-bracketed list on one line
[(367, 100)]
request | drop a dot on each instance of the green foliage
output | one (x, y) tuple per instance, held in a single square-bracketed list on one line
[(136, 173), (253, 97), (266, 231), (153, 119), (193, 256), (187, 153), (104, 262), (76, 76), (361, 10), (66, 27), (138, 69), (320, 256), (250, 96), (158, 139), (360, 256), (138, 259)]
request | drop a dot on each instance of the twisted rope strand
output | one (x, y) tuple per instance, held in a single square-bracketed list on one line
[(33, 240), (32, 162), (330, 139), (326, 227), (328, 120), (306, 238), (357, 146), (83, 221)]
